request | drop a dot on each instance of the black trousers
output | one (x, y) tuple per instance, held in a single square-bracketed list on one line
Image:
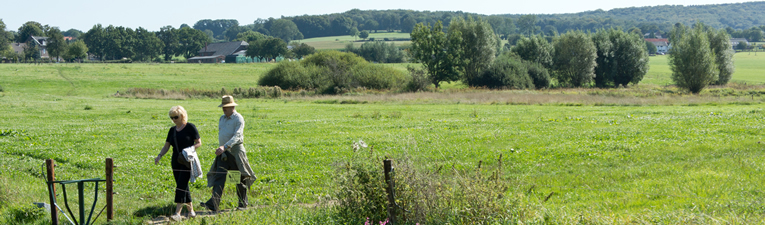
[(182, 175), (219, 182)]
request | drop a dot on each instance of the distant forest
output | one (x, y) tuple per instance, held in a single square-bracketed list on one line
[(651, 19)]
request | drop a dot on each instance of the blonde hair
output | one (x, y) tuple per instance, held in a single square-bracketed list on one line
[(179, 111)]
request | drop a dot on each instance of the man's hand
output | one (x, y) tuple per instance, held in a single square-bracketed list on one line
[(156, 160), (220, 150)]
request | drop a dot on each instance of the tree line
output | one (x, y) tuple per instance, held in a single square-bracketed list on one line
[(469, 52)]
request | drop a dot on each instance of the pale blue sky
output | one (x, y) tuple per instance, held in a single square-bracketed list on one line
[(83, 14)]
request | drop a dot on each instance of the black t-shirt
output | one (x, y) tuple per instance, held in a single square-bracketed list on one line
[(185, 138)]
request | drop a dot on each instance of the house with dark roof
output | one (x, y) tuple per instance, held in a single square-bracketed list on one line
[(217, 52), (41, 43)]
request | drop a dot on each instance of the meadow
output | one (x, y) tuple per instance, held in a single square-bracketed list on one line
[(339, 42), (689, 160)]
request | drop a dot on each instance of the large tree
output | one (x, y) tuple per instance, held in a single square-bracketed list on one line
[(169, 37), (56, 44), (691, 60), (535, 49), (479, 45), (76, 51), (268, 48), (302, 49), (190, 41), (438, 53), (622, 58), (574, 59), (29, 29), (250, 36), (72, 33), (719, 43), (148, 47), (95, 39), (286, 30), (527, 24), (5, 38)]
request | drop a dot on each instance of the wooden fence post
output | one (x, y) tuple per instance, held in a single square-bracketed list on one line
[(109, 189), (389, 188), (49, 163)]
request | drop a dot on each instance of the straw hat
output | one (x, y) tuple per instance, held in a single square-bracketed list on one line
[(227, 101)]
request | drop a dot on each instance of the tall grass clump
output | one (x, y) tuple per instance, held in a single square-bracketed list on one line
[(441, 195), (333, 72)]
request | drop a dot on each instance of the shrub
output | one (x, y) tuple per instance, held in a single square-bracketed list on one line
[(439, 195), (419, 80), (507, 71), (377, 77), (333, 72), (378, 51), (540, 76), (292, 75)]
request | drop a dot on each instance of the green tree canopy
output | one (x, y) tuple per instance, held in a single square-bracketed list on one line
[(364, 35), (438, 53), (73, 33), (56, 43), (301, 50), (268, 48), (479, 45), (622, 58), (170, 40), (650, 47), (149, 46), (535, 49), (190, 41), (5, 38), (719, 43), (76, 51), (29, 29), (691, 60), (250, 36), (574, 59), (286, 30), (95, 39)]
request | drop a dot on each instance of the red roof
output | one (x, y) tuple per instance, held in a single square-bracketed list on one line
[(68, 38)]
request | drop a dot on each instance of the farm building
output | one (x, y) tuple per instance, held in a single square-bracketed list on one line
[(662, 44), (218, 52)]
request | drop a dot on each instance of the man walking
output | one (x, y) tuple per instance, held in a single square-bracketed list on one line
[(231, 155)]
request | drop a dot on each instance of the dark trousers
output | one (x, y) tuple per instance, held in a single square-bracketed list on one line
[(182, 175), (219, 182)]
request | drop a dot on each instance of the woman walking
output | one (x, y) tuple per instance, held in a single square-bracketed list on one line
[(182, 135)]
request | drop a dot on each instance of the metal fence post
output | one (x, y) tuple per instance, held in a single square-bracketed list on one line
[(52, 189), (389, 188)]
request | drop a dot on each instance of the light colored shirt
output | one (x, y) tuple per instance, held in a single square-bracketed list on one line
[(230, 130)]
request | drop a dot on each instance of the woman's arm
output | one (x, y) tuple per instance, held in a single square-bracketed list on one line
[(163, 152), (197, 143)]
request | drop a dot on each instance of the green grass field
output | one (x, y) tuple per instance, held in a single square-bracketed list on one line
[(339, 42), (681, 163)]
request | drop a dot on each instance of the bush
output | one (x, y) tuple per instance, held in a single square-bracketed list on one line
[(292, 75), (507, 71), (378, 51), (419, 80), (540, 76), (332, 72), (439, 195)]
